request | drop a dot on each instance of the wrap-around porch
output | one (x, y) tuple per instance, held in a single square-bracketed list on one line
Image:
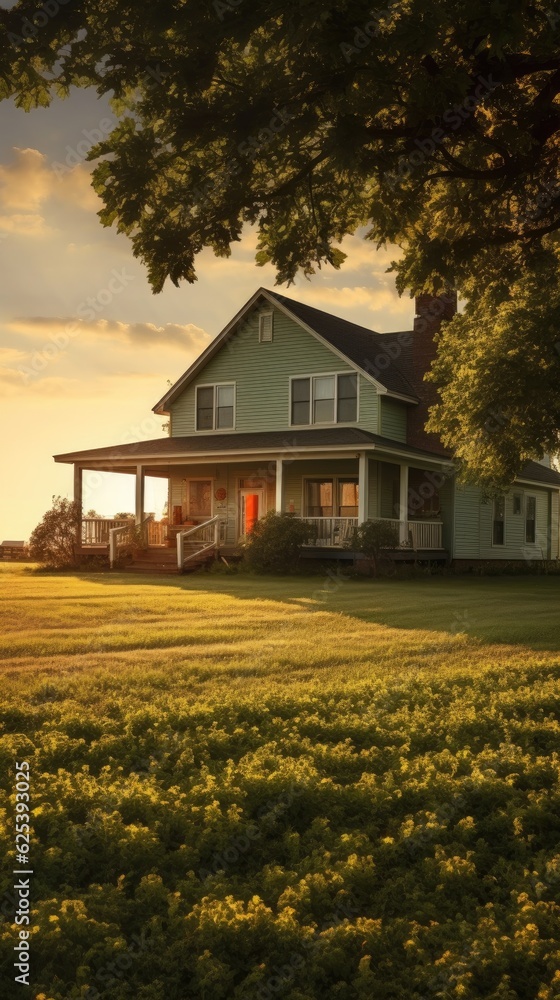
[(213, 504)]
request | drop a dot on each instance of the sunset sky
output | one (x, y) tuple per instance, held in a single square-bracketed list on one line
[(94, 383)]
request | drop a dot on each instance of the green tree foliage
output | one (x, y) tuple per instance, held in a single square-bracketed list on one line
[(52, 542), (276, 541), (435, 123)]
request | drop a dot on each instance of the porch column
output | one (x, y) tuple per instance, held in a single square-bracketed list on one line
[(279, 485), (363, 487), (78, 498), (403, 505), (140, 485)]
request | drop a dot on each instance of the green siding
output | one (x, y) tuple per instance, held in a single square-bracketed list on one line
[(473, 526), (262, 376), (393, 419)]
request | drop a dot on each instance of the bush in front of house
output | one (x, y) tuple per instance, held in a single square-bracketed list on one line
[(276, 543), (52, 541), (375, 540)]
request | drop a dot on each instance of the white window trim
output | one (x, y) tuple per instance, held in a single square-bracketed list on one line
[(262, 315), (213, 429), (200, 479), (529, 496), (496, 545), (324, 423), (335, 480)]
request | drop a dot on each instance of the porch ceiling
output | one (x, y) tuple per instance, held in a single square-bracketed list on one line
[(161, 454)]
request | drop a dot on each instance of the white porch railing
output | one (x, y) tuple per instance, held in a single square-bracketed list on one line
[(332, 532), (427, 535), (335, 532), (195, 541), (95, 530)]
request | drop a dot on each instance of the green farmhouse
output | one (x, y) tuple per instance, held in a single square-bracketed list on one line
[(296, 410)]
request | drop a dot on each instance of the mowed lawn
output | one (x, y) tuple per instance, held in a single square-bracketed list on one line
[(304, 788)]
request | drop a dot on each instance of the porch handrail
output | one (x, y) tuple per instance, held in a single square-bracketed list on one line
[(95, 530), (131, 528), (211, 543)]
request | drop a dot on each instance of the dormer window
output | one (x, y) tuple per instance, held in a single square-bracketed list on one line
[(265, 327)]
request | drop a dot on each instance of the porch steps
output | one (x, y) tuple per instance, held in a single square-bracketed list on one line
[(163, 561)]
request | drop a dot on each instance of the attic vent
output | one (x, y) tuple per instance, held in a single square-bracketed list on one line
[(265, 328)]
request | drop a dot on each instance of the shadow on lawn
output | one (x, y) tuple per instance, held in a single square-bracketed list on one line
[(506, 610)]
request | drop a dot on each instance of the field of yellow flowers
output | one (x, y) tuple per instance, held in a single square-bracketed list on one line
[(303, 789)]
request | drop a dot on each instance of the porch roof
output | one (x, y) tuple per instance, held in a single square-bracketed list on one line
[(230, 445)]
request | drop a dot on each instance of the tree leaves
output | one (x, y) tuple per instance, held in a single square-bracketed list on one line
[(436, 122)]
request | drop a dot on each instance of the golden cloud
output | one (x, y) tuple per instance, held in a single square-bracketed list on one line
[(186, 337)]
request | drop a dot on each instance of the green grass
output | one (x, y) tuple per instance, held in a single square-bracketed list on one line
[(298, 788)]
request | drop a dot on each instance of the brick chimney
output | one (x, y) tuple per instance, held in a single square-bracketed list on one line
[(430, 311)]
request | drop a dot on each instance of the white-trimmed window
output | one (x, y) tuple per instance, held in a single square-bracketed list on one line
[(324, 399), (332, 496), (215, 406), (266, 327), (517, 503), (499, 522), (530, 520)]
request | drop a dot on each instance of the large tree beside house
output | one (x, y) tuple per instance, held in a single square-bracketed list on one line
[(434, 124)]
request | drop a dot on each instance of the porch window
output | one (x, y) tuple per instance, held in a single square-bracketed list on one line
[(324, 399), (347, 497), (319, 498), (498, 524), (198, 498), (531, 520), (215, 405), (331, 497)]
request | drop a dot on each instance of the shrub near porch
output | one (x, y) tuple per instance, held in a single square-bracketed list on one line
[(285, 788)]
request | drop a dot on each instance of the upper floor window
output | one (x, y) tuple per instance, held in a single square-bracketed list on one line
[(324, 399), (215, 406), (499, 522), (265, 327), (530, 520)]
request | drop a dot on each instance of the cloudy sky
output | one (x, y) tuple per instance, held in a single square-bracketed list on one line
[(86, 349)]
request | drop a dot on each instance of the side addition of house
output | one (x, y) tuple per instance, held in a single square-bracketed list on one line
[(295, 410)]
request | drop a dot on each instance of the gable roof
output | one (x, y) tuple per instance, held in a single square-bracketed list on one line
[(365, 348), (534, 472), (361, 347)]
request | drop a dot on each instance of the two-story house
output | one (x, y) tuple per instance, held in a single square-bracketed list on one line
[(295, 410)]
